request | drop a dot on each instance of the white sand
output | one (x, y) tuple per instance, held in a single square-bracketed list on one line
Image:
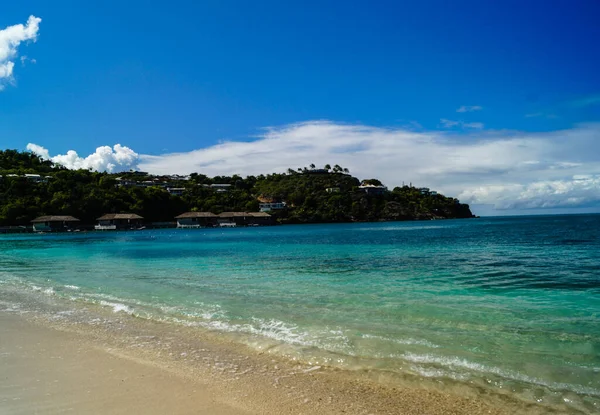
[(49, 369)]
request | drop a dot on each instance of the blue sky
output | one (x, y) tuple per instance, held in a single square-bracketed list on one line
[(181, 77)]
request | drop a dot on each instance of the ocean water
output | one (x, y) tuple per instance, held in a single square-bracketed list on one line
[(502, 305)]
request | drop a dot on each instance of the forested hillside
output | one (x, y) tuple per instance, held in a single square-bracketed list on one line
[(311, 195)]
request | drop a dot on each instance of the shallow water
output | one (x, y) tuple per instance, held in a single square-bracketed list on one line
[(510, 305)]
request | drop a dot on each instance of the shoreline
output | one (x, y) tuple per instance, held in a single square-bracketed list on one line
[(23, 229), (232, 376)]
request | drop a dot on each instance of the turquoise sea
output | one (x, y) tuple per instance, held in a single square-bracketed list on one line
[(506, 305)]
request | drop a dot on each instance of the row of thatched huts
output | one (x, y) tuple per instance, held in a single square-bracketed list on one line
[(123, 221)]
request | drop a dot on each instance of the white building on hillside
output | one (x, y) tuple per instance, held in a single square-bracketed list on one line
[(267, 207)]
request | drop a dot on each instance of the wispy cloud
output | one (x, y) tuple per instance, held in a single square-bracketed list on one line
[(477, 125), (10, 39), (449, 123), (24, 59), (508, 169), (566, 108), (586, 101), (541, 115), (469, 108), (461, 124), (560, 168)]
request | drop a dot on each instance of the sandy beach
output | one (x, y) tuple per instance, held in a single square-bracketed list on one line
[(45, 371), (51, 367)]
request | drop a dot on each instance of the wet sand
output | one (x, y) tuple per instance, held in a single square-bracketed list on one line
[(45, 371), (138, 367)]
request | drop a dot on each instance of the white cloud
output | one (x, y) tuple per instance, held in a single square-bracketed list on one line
[(577, 191), (39, 150), (469, 108), (509, 169), (452, 123), (10, 39), (116, 159)]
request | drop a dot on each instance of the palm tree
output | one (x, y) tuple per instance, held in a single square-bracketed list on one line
[(327, 167)]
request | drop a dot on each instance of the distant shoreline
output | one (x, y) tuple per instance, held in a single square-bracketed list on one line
[(35, 188), (90, 228)]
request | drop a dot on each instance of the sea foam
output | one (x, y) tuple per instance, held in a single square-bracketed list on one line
[(455, 362), (407, 341), (117, 307)]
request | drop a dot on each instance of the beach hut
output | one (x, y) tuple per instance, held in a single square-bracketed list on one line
[(117, 221), (54, 223), (227, 219), (196, 220), (260, 219)]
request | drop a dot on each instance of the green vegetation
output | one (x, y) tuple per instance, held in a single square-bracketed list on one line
[(312, 195), (13, 161)]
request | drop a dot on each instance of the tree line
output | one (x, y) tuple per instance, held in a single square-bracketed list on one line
[(312, 195)]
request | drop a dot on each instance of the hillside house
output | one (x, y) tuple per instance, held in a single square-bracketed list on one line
[(176, 191), (34, 178), (220, 187), (267, 207), (372, 189)]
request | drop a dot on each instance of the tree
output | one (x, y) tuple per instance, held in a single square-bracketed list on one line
[(312, 166), (327, 167), (87, 195)]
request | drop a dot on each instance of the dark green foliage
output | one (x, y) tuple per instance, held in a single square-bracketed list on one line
[(88, 195), (13, 161)]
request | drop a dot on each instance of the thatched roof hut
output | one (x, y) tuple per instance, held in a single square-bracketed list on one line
[(189, 215), (55, 218), (120, 216), (228, 215)]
